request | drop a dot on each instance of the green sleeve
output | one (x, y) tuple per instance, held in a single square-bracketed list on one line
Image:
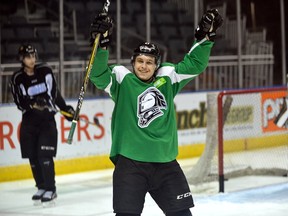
[(196, 60), (100, 72)]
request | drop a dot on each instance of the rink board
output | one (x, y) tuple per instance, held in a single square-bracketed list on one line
[(91, 144)]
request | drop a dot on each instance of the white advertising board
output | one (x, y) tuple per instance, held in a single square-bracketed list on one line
[(250, 116), (91, 140)]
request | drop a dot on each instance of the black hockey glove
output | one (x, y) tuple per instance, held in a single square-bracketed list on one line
[(218, 20), (40, 103), (217, 23), (208, 25), (68, 112), (102, 25)]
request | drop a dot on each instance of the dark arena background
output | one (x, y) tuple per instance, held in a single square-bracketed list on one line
[(168, 23)]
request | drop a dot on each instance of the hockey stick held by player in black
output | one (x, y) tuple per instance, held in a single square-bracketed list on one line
[(69, 115), (68, 112)]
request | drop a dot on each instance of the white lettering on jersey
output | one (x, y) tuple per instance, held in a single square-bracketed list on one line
[(37, 89)]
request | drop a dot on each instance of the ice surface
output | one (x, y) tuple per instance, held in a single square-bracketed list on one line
[(90, 193)]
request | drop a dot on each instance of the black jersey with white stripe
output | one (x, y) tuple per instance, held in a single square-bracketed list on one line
[(26, 90)]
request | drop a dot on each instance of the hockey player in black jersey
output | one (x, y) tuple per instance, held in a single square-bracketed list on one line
[(35, 93)]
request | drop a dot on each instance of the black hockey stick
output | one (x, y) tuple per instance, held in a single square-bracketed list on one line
[(86, 80), (95, 119), (67, 114)]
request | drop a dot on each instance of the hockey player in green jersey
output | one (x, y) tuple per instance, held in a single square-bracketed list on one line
[(144, 132)]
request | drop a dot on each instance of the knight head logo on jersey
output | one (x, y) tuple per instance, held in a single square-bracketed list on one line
[(150, 103)]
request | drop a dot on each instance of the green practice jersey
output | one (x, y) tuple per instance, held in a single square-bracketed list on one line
[(144, 118)]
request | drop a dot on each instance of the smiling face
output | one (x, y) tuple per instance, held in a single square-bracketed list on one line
[(144, 67)]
